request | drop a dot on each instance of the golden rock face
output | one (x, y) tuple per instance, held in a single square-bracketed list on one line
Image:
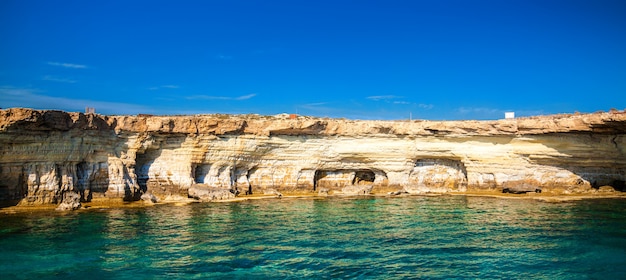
[(44, 154)]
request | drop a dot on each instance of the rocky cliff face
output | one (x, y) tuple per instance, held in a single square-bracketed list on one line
[(46, 154)]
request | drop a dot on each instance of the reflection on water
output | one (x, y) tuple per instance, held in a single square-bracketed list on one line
[(139, 239), (427, 237)]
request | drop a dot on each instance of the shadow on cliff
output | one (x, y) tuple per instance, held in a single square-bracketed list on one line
[(92, 177), (597, 157), (150, 180), (143, 163), (9, 203), (131, 194), (11, 196)]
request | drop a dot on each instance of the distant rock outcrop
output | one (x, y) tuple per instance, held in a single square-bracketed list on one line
[(45, 155)]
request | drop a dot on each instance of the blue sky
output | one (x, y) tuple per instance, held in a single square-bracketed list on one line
[(432, 59)]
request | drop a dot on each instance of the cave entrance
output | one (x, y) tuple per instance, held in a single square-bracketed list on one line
[(337, 179), (143, 162), (619, 185), (83, 183), (200, 173), (82, 175), (364, 177)]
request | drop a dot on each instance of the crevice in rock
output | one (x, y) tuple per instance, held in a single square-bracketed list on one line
[(241, 180), (142, 168), (251, 187), (83, 181), (249, 190), (143, 163), (316, 179), (614, 141)]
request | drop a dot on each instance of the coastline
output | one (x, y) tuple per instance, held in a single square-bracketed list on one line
[(51, 157), (116, 203)]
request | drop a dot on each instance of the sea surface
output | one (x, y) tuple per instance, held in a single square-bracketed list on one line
[(442, 237)]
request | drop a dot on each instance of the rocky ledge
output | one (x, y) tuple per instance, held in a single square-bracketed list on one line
[(55, 157)]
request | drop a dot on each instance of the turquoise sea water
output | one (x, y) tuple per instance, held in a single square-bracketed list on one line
[(369, 238)]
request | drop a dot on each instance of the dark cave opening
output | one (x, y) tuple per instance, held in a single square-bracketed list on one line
[(363, 177), (200, 173)]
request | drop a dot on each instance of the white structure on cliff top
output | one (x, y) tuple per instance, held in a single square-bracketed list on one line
[(509, 115)]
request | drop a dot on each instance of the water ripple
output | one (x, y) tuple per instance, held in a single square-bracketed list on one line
[(366, 238)]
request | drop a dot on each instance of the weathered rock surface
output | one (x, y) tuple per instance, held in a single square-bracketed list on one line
[(273, 192), (357, 189), (149, 197), (71, 201), (520, 188), (207, 193), (46, 154)]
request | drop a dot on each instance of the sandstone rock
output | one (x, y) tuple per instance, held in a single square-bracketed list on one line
[(273, 192), (44, 154), (438, 175), (521, 188), (357, 190), (606, 189), (206, 193), (177, 198), (149, 197), (323, 191), (71, 201), (578, 189)]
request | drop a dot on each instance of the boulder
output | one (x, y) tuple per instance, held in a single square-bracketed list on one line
[(149, 197), (606, 189), (71, 201), (204, 192)]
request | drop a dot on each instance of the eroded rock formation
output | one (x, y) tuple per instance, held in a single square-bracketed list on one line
[(46, 154)]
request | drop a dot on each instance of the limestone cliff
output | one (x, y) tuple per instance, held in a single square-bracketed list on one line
[(45, 154)]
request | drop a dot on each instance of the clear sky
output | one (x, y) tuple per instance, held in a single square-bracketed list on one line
[(432, 59)]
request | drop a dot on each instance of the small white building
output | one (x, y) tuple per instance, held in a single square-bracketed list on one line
[(509, 115)]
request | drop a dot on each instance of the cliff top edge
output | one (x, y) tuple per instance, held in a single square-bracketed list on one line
[(25, 119)]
